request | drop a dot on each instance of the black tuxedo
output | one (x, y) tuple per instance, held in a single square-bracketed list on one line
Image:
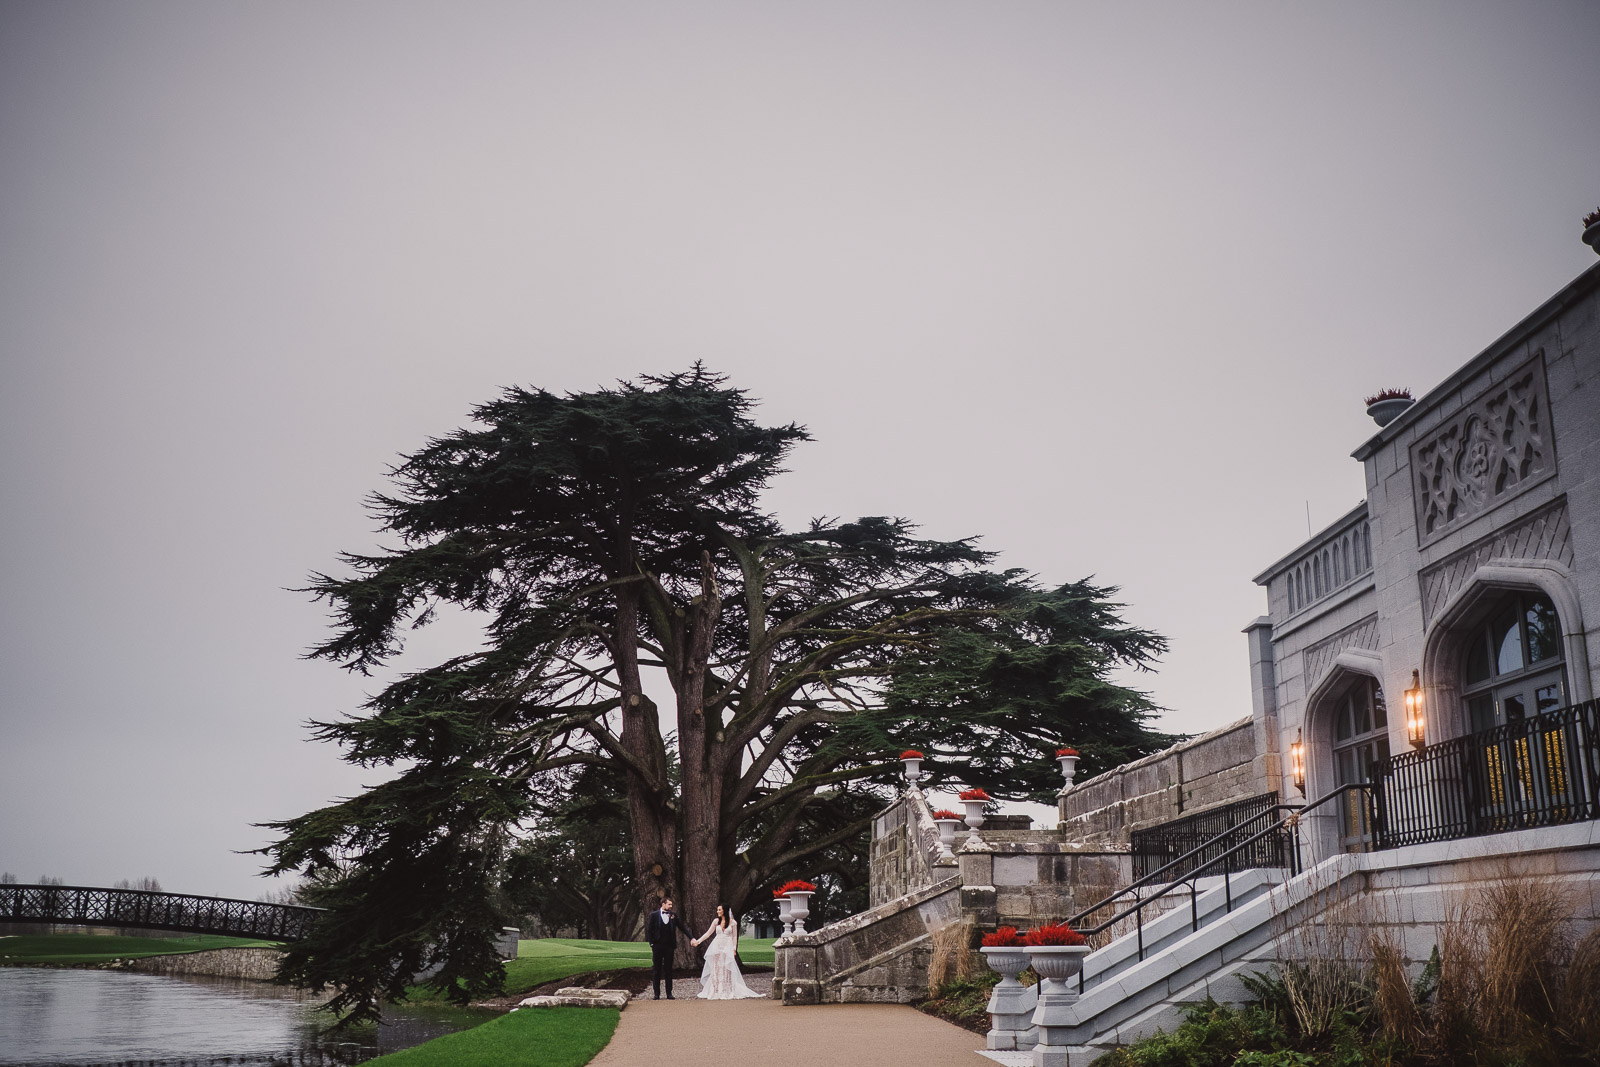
[(663, 940)]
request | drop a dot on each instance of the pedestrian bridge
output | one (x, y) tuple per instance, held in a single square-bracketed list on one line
[(153, 910)]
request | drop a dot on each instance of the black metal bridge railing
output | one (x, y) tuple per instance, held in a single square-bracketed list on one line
[(144, 909)]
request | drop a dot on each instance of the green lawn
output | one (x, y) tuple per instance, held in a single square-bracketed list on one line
[(550, 958), (532, 1037), (94, 948)]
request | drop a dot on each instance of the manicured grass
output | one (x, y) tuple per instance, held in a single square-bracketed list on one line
[(532, 1037), (550, 958), (94, 948)]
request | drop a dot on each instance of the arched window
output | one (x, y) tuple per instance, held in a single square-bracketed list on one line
[(1514, 667), (1360, 739)]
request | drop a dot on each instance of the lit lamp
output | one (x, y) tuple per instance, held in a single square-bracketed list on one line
[(1297, 763), (1416, 731)]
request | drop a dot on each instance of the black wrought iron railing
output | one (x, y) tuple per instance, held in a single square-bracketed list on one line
[(1145, 892), (1538, 771), (1218, 830), (144, 909)]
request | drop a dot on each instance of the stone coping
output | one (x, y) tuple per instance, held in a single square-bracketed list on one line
[(1157, 757), (978, 845)]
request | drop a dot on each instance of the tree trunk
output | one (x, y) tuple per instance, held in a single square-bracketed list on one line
[(700, 754), (650, 813)]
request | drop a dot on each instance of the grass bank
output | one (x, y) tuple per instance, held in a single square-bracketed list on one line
[(88, 950), (532, 1037)]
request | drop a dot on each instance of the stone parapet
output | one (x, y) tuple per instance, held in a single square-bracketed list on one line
[(1203, 772)]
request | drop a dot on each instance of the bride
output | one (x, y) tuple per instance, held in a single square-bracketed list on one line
[(720, 978)]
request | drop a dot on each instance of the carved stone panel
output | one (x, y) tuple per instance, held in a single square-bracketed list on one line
[(1320, 656), (1490, 451), (1542, 535)]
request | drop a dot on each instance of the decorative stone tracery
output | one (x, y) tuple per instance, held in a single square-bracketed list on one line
[(1491, 450), (1543, 535)]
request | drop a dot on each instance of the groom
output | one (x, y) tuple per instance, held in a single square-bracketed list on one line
[(662, 931)]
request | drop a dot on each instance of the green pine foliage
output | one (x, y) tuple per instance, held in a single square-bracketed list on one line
[(608, 537)]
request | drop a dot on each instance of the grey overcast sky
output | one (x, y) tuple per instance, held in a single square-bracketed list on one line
[(1103, 283)]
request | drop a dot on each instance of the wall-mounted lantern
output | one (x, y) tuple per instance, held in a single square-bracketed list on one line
[(1297, 763), (1416, 727)]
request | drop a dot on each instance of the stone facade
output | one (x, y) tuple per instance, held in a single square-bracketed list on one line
[(1488, 485)]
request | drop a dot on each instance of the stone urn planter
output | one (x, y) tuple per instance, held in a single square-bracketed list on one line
[(911, 765), (1068, 759), (1385, 411), (974, 800), (799, 908), (947, 838), (1011, 1004), (1056, 963)]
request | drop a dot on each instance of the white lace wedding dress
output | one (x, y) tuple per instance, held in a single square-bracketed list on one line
[(720, 978)]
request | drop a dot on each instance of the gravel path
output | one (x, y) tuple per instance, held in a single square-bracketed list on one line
[(683, 989), (685, 1032)]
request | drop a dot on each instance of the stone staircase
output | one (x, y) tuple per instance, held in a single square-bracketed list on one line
[(1409, 889)]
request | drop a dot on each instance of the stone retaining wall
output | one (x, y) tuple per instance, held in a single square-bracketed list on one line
[(259, 964), (1028, 883), (1203, 772)]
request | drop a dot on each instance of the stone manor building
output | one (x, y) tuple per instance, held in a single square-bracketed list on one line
[(1423, 719)]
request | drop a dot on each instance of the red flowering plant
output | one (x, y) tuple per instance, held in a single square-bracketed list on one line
[(1066, 752), (1052, 934), (1388, 394), (946, 813), (910, 753), (1591, 218), (796, 886), (974, 794), (1005, 937)]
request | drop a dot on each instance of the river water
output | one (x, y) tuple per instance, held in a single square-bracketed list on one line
[(75, 1018)]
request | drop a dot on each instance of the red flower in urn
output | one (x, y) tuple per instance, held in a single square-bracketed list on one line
[(974, 794), (1005, 937), (946, 813), (910, 753), (796, 886), (1053, 934)]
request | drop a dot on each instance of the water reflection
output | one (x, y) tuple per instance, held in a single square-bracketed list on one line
[(76, 1018)]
